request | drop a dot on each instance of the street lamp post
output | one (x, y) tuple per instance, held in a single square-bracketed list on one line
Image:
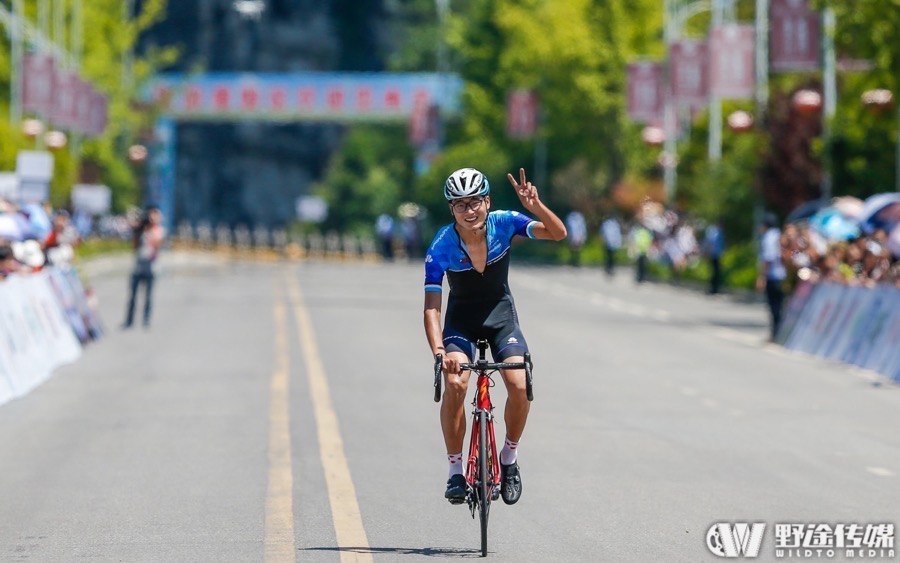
[(879, 101), (761, 59), (829, 98), (670, 173), (16, 80), (442, 7), (676, 13)]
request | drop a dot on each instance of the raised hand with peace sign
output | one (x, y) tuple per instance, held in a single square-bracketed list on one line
[(550, 226)]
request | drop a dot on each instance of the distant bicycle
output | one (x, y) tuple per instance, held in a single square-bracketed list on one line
[(482, 470)]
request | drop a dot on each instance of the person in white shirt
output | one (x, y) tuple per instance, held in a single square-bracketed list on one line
[(771, 270), (147, 239), (612, 242), (577, 229), (713, 247)]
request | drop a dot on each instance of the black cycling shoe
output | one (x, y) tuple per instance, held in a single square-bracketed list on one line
[(456, 489), (510, 483)]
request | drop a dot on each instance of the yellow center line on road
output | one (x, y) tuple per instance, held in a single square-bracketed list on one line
[(351, 535), (279, 526)]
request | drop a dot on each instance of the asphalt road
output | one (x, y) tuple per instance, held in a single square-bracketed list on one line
[(282, 411)]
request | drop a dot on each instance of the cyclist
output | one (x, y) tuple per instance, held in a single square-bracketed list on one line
[(474, 253)]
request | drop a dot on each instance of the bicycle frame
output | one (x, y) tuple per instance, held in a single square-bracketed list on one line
[(482, 403)]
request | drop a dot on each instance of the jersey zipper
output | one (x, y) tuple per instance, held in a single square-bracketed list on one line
[(462, 246)]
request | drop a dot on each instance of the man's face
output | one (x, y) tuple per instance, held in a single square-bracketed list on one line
[(470, 212)]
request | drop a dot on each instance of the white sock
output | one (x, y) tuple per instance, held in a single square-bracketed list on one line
[(509, 454), (456, 466)]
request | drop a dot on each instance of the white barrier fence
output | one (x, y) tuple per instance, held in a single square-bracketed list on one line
[(855, 325), (45, 318)]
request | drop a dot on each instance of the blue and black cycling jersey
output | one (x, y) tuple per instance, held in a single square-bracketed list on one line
[(447, 254), (480, 304)]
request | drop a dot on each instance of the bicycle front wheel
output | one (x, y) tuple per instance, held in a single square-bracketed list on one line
[(485, 481)]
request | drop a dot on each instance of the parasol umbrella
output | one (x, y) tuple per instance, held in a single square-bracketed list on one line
[(850, 206), (38, 220), (880, 211), (832, 224), (10, 228), (806, 210)]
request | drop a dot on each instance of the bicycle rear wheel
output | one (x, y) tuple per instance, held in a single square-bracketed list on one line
[(485, 482)]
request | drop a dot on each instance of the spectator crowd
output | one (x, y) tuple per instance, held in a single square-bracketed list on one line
[(859, 260), (33, 236), (847, 241)]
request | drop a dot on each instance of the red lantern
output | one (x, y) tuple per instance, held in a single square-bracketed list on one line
[(807, 102), (653, 136), (877, 100), (32, 128), (137, 153), (667, 160), (740, 121), (55, 140)]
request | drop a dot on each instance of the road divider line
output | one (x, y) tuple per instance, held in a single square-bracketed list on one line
[(880, 471), (279, 525), (348, 526)]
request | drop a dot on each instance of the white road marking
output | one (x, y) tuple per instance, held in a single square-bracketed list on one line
[(348, 527), (880, 471), (278, 537)]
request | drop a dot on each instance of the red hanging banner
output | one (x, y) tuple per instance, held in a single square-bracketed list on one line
[(521, 114), (84, 95), (731, 57), (39, 77), (98, 113), (795, 32), (688, 72), (65, 102), (645, 92)]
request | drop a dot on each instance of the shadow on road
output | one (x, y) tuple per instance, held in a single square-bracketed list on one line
[(427, 551)]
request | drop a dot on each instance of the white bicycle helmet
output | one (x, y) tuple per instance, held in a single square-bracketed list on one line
[(466, 182)]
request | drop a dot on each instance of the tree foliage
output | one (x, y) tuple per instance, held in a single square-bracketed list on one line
[(370, 175), (109, 41), (574, 54)]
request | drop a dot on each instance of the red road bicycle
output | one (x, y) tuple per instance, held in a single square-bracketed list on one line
[(483, 464)]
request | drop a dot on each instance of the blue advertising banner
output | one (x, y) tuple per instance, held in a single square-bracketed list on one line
[(856, 325), (311, 96)]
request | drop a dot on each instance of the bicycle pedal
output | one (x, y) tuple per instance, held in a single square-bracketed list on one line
[(455, 500), (495, 493)]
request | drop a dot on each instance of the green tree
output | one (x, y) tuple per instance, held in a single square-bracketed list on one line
[(783, 165), (573, 54), (368, 176), (863, 141)]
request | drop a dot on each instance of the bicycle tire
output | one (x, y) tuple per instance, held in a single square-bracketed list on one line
[(486, 482)]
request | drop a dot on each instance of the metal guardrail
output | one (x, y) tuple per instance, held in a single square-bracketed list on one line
[(277, 243)]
